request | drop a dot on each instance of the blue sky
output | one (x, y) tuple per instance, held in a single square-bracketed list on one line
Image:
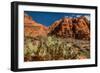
[(47, 18)]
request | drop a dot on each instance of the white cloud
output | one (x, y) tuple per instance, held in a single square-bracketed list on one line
[(66, 16), (88, 17), (78, 15), (25, 14)]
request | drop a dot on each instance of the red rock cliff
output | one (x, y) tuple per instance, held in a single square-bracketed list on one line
[(71, 27), (32, 28)]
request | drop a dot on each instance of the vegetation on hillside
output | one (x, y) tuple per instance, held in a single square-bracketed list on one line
[(55, 48)]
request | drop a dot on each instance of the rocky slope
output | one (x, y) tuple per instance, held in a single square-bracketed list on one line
[(78, 28), (32, 28)]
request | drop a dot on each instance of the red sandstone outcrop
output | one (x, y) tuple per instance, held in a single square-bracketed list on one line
[(78, 28), (32, 28)]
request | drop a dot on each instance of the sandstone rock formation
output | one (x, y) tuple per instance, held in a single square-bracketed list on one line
[(32, 28), (78, 28)]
